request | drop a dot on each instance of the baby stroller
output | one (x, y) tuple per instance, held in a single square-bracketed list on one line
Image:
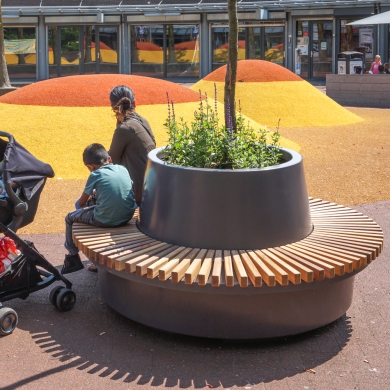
[(24, 177)]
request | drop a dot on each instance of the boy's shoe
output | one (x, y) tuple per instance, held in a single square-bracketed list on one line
[(72, 263)]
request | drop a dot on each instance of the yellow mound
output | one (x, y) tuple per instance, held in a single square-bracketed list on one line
[(296, 103), (58, 135)]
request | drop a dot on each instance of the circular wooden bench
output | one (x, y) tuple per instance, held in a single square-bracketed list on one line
[(274, 291)]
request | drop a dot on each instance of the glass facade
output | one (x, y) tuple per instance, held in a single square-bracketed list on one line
[(85, 49), (353, 38), (20, 52), (165, 50), (254, 42)]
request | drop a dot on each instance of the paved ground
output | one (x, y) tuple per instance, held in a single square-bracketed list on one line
[(93, 347)]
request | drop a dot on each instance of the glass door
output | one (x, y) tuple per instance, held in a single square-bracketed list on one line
[(314, 42)]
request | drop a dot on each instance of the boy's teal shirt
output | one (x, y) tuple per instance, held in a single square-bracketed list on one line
[(115, 199)]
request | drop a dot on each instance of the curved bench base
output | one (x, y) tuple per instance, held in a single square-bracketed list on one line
[(227, 313)]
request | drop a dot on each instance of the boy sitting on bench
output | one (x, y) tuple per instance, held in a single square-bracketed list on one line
[(115, 201)]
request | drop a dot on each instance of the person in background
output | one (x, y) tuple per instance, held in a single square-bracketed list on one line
[(375, 64), (381, 69), (115, 203), (133, 138), (387, 70)]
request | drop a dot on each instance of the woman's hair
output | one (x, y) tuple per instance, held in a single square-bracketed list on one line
[(95, 154), (122, 99), (378, 56)]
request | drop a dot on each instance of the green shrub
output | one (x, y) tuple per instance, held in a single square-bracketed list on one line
[(205, 144)]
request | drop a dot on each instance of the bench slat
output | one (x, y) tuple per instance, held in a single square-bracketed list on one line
[(193, 270), (206, 267)]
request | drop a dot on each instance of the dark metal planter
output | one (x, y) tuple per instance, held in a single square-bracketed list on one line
[(226, 209), (226, 312)]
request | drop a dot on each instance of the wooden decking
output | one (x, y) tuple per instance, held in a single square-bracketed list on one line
[(342, 241)]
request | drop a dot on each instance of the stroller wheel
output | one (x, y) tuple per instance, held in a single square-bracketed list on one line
[(8, 321), (54, 294), (66, 299)]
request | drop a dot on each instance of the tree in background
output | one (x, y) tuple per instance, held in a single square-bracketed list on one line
[(4, 78)]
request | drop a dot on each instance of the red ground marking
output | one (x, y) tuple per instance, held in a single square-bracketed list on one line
[(93, 91), (255, 71)]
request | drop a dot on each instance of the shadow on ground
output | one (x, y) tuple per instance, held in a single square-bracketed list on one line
[(95, 339)]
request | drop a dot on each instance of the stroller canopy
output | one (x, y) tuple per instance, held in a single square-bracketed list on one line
[(21, 167)]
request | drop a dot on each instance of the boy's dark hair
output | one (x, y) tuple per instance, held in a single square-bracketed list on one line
[(95, 154), (386, 65), (381, 68)]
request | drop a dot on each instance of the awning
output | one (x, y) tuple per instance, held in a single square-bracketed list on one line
[(383, 18)]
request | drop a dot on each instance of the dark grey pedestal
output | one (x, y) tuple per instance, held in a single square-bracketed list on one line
[(226, 312)]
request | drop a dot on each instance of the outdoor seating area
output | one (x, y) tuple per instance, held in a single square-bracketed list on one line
[(133, 267)]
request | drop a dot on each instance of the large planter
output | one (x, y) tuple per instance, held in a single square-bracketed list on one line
[(225, 209), (235, 212)]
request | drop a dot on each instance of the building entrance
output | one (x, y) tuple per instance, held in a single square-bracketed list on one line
[(82, 50), (314, 40)]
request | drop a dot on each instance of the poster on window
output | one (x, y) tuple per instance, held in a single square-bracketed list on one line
[(365, 39)]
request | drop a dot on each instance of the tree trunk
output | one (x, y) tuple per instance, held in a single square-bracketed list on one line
[(231, 70), (4, 78), (21, 59)]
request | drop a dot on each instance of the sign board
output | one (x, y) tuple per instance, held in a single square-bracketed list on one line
[(341, 67)]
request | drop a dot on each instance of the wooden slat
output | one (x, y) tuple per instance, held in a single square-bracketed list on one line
[(153, 269), (239, 269), (193, 270), (293, 259), (120, 262), (376, 246), (341, 265), (166, 270), (114, 251), (148, 259), (281, 275), (206, 267), (253, 273), (339, 254), (267, 275), (217, 267), (328, 269), (227, 262), (367, 253), (295, 271), (181, 268)]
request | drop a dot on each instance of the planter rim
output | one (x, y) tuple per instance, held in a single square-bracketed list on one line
[(296, 158)]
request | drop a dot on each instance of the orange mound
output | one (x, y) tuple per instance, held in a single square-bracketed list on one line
[(240, 44), (148, 46), (93, 91), (190, 45), (255, 71)]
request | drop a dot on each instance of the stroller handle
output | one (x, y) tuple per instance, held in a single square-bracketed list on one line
[(20, 207)]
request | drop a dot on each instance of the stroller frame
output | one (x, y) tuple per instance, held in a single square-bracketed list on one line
[(30, 271), (33, 258)]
